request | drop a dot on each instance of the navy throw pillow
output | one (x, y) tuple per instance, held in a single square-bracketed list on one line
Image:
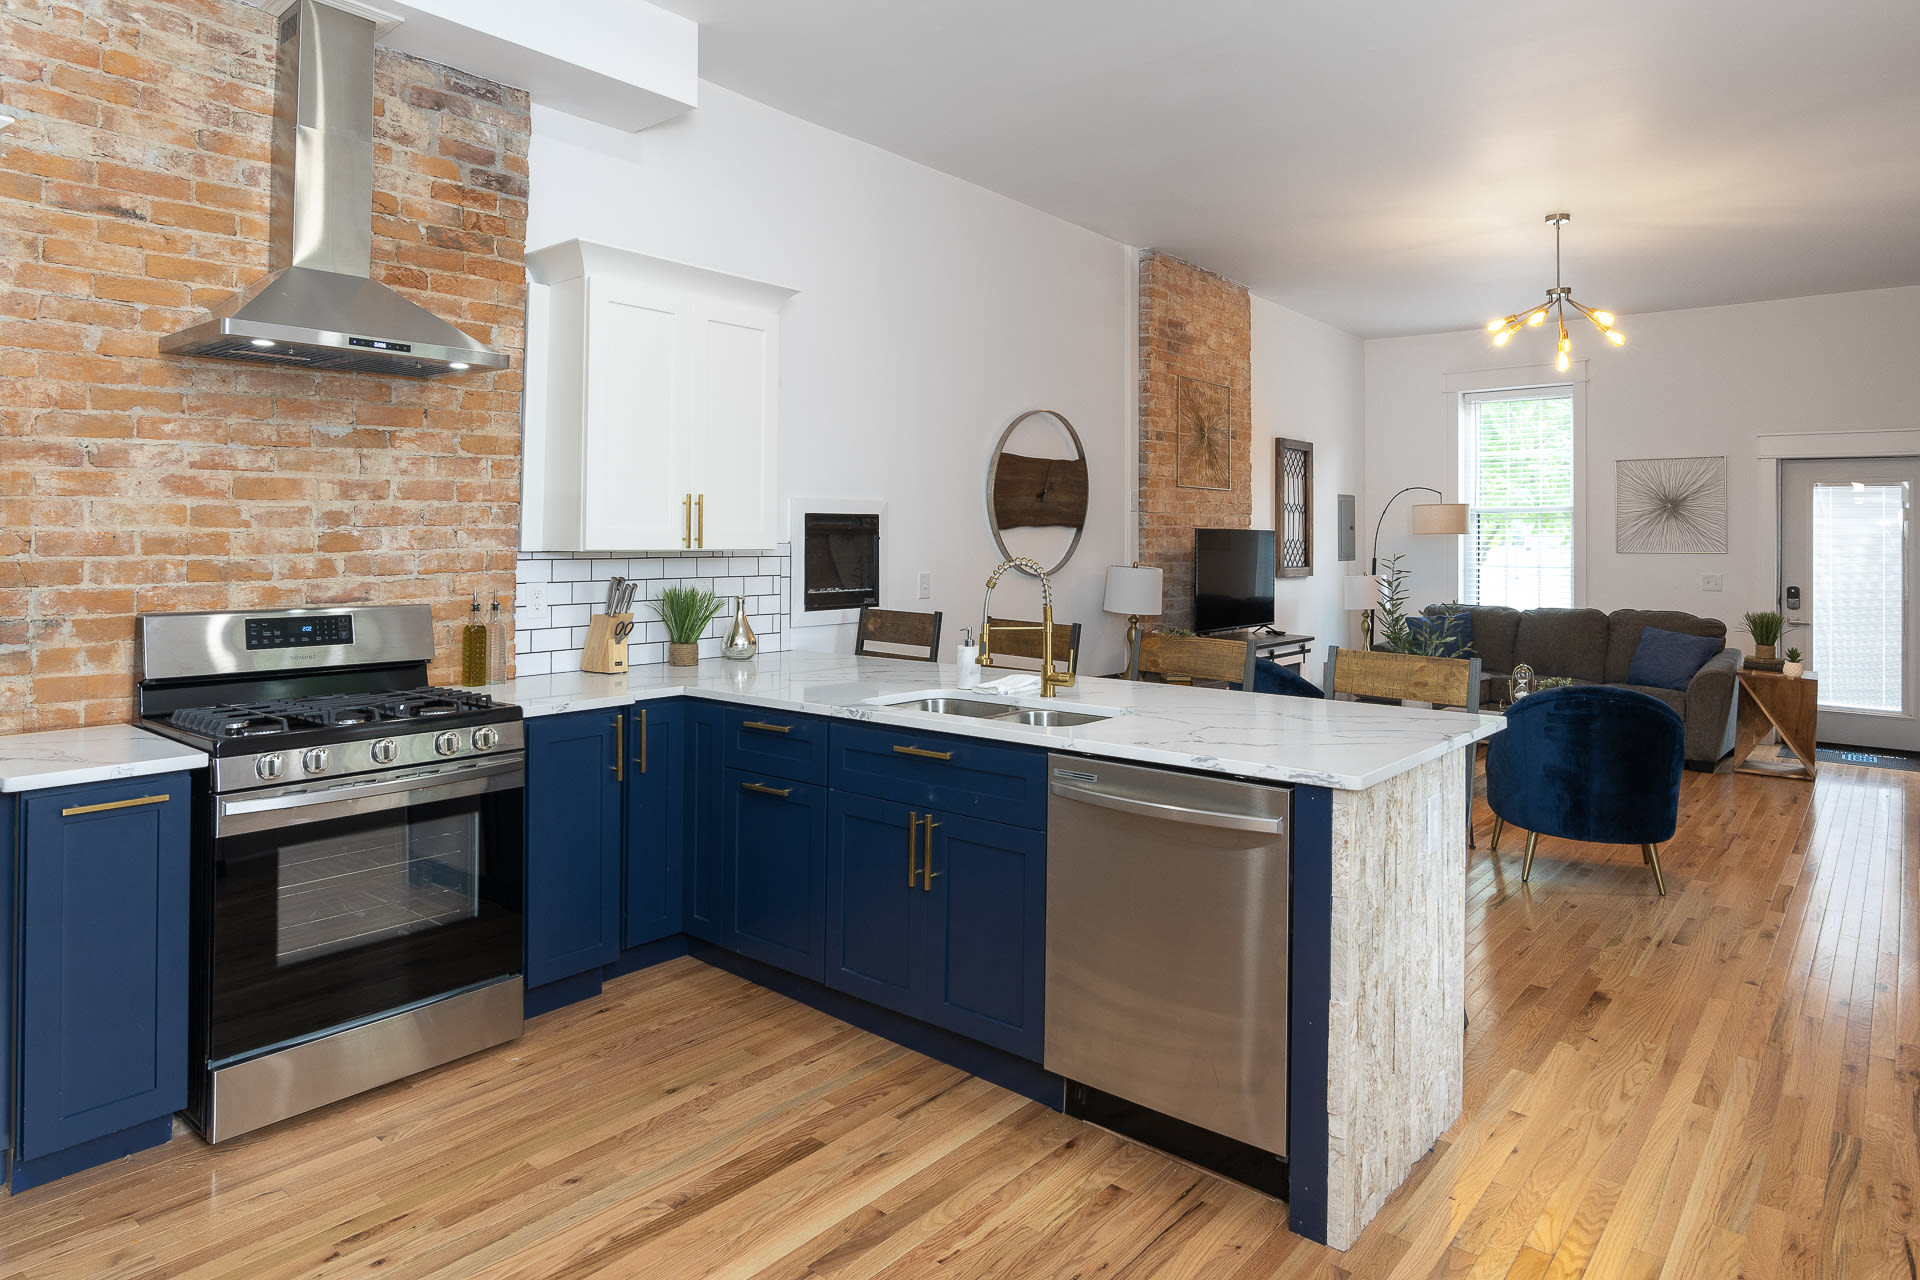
[(1270, 677), (1459, 641), (1668, 659)]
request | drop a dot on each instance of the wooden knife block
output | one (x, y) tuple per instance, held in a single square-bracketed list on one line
[(605, 655)]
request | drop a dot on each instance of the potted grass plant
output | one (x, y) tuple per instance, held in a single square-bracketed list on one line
[(685, 611), (1764, 625), (1794, 666)]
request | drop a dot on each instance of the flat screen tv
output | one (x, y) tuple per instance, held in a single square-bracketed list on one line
[(1232, 579)]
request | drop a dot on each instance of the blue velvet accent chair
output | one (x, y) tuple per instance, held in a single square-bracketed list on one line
[(1589, 762)]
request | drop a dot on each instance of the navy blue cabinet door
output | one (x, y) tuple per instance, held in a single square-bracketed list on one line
[(573, 843), (103, 960), (986, 941), (709, 887), (776, 844), (656, 808), (876, 912)]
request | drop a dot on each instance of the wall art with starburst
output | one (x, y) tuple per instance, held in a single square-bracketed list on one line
[(1672, 505), (1203, 454)]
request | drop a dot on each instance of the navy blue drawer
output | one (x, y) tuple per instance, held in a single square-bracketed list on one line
[(937, 771), (786, 746)]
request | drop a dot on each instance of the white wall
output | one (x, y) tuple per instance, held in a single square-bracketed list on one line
[(1688, 383), (930, 313), (1308, 384)]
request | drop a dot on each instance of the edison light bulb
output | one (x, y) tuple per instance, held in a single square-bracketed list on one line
[(1604, 317), (1495, 326), (1502, 338), (1538, 317), (1564, 362), (1616, 337)]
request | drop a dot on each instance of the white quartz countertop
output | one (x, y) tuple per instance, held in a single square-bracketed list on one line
[(1348, 746), (97, 753)]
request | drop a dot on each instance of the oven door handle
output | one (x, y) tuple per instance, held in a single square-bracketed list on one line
[(244, 815)]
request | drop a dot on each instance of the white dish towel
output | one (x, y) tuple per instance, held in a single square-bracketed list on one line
[(1018, 682)]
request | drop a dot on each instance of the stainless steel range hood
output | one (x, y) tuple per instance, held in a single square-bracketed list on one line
[(319, 309)]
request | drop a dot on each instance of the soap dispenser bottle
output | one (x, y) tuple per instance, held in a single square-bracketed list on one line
[(966, 655), (473, 648)]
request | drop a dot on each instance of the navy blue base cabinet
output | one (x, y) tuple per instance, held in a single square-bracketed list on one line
[(776, 845), (906, 869), (576, 770), (709, 889), (940, 917), (655, 824), (101, 1043)]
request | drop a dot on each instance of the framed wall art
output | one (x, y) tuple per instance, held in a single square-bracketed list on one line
[(1672, 506)]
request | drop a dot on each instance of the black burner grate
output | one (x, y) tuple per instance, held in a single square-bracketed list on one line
[(256, 719)]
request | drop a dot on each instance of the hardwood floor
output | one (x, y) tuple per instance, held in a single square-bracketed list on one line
[(1719, 1083)]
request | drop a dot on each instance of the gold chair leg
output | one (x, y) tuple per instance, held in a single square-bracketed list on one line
[(1526, 866), (1652, 855), (1499, 824)]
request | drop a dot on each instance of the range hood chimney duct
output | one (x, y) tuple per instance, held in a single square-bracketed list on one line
[(319, 308)]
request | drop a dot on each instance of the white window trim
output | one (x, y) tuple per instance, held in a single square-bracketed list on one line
[(1525, 380)]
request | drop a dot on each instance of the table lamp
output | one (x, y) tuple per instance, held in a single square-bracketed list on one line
[(1133, 590)]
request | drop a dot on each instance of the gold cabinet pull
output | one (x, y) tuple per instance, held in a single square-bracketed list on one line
[(700, 518), (913, 856), (765, 790), (641, 759), (927, 873), (923, 753), (620, 748), (764, 727), (686, 521), (135, 803)]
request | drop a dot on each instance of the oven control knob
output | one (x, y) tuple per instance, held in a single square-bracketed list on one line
[(485, 739), (268, 767), (446, 743), (315, 760), (385, 750)]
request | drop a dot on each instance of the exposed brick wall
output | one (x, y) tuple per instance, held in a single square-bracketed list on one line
[(1193, 324), (134, 195)]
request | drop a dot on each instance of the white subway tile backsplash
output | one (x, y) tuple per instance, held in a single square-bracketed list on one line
[(549, 640)]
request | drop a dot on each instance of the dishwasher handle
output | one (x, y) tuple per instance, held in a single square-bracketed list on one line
[(1267, 824)]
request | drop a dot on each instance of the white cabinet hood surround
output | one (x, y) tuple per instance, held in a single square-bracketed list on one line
[(630, 65)]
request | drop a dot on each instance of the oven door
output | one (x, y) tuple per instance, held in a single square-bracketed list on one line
[(335, 903)]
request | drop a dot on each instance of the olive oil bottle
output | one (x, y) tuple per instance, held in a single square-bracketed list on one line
[(473, 648)]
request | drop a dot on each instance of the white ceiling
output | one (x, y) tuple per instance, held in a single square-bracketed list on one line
[(1385, 167)]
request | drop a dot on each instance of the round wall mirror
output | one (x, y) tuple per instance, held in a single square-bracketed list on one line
[(1037, 489)]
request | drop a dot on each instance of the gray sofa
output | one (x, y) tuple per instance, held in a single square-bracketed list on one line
[(1593, 647)]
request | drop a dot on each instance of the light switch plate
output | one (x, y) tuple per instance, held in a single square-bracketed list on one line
[(926, 584), (531, 596), (1710, 582)]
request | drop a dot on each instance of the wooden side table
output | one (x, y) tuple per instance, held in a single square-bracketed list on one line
[(1790, 704)]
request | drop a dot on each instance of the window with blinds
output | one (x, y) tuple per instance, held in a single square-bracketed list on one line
[(1519, 486)]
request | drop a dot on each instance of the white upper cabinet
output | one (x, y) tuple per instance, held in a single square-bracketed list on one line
[(651, 405)]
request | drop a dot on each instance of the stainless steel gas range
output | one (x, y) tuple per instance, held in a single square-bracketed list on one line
[(357, 871)]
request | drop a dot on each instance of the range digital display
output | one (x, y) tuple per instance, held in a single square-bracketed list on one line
[(294, 633)]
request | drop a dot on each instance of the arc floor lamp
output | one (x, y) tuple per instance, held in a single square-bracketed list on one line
[(1428, 518)]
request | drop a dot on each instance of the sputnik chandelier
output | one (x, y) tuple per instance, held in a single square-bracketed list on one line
[(1559, 298)]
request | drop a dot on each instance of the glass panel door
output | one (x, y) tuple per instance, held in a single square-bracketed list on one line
[(1847, 571)]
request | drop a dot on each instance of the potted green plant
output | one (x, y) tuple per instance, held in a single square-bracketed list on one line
[(685, 611), (1794, 666), (1764, 625)]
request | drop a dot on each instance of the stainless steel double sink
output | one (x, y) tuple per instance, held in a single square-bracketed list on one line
[(979, 709)]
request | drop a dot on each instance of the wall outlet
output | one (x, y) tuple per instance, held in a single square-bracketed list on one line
[(531, 596), (1710, 582), (1436, 817), (926, 585)]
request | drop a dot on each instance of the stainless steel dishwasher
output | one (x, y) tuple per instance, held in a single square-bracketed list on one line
[(1167, 934)]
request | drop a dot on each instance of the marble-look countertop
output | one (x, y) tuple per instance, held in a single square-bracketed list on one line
[(1348, 746), (96, 753)]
